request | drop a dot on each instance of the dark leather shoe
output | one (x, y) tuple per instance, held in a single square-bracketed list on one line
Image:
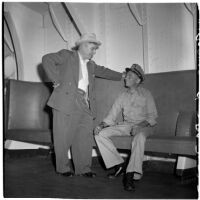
[(67, 174), (89, 174), (129, 182), (119, 170)]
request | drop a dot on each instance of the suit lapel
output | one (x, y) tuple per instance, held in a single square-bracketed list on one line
[(75, 67), (90, 68), (91, 76)]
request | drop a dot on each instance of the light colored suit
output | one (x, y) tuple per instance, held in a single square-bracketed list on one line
[(72, 126), (136, 106)]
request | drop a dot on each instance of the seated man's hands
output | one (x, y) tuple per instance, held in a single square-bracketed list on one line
[(100, 127), (55, 85), (97, 130), (136, 129), (143, 124)]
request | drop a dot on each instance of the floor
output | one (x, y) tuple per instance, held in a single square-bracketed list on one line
[(33, 176)]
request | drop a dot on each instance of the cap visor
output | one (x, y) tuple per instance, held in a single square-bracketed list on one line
[(128, 69)]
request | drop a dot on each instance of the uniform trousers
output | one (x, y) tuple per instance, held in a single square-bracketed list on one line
[(73, 131), (109, 152)]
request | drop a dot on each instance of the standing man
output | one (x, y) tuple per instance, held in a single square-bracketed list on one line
[(139, 118), (73, 103)]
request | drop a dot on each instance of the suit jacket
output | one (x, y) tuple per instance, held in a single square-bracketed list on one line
[(63, 68)]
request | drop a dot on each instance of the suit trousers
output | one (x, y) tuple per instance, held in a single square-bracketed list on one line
[(73, 131), (109, 152)]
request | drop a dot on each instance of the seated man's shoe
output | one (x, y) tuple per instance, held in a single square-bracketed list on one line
[(129, 182), (89, 174), (67, 174), (119, 170)]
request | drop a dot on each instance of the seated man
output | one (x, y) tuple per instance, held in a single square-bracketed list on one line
[(139, 118)]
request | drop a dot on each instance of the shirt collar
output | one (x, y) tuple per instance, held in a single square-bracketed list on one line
[(135, 90)]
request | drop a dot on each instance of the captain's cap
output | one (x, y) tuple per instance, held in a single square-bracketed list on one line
[(137, 69)]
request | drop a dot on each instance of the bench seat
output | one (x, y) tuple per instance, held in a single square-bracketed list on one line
[(165, 144)]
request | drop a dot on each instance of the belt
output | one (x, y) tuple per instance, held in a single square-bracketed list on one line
[(84, 96), (82, 92)]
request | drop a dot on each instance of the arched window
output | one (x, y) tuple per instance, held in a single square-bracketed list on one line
[(12, 65)]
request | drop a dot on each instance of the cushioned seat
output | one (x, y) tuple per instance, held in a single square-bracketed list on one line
[(29, 119), (162, 144), (28, 135)]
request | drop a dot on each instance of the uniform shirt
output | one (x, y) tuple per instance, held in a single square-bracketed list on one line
[(136, 106), (83, 74)]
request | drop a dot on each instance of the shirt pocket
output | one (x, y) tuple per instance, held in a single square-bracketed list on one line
[(140, 102)]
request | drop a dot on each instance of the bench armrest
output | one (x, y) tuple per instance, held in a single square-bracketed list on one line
[(186, 124)]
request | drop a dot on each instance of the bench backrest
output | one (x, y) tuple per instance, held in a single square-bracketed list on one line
[(173, 92), (26, 105)]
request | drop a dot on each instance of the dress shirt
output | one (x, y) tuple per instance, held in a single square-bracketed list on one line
[(136, 106), (83, 74)]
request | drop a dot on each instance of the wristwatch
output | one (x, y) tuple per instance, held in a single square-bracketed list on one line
[(103, 125)]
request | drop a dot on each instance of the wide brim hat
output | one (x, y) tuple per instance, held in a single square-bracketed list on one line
[(88, 37), (137, 69)]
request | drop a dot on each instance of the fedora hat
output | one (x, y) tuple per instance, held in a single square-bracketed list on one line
[(88, 37), (137, 69)]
